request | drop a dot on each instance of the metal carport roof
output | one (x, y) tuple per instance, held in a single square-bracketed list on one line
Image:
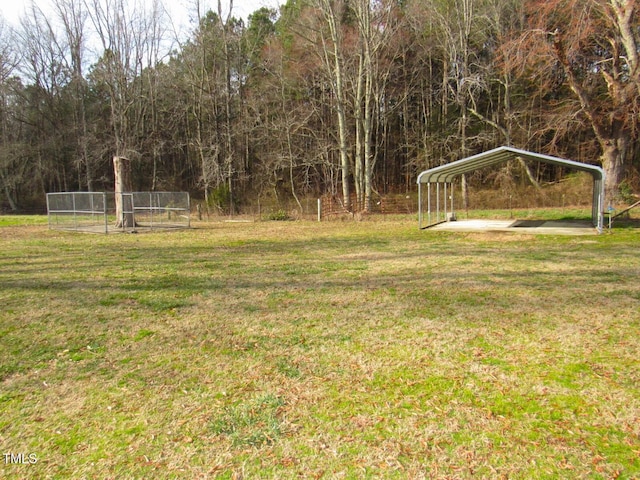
[(446, 173)]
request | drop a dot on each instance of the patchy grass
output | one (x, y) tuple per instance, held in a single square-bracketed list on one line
[(285, 349), (22, 220), (566, 213)]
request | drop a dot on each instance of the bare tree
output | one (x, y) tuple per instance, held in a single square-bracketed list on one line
[(502, 18), (130, 39), (459, 22), (8, 154), (332, 49), (374, 25), (225, 26), (591, 48), (199, 71), (72, 14), (43, 67)]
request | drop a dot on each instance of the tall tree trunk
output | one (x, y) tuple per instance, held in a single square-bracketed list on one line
[(369, 160), (358, 172), (371, 40), (228, 139), (367, 125), (124, 204), (288, 127), (614, 155), (332, 57)]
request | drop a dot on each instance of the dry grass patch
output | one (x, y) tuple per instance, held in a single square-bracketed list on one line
[(278, 350)]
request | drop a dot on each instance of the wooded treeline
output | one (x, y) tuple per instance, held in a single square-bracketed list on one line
[(336, 97)]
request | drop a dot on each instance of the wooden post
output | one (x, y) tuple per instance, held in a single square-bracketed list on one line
[(124, 203)]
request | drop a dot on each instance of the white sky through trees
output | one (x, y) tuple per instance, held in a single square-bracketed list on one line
[(12, 10)]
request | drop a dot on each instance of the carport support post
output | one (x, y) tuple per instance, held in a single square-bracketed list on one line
[(451, 196), (437, 202), (419, 205), (429, 203), (446, 216)]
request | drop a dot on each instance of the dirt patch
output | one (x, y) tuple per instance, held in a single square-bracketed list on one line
[(528, 223), (26, 231)]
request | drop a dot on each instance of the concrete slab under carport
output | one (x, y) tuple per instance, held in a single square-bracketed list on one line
[(536, 227), (442, 178)]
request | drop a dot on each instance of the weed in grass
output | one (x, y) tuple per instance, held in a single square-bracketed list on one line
[(286, 368), (142, 334), (252, 423)]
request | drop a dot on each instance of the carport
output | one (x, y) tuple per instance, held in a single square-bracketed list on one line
[(439, 181)]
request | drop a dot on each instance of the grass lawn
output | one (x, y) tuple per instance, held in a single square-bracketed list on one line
[(335, 350)]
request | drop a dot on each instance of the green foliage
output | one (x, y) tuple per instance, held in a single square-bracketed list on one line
[(220, 198), (261, 27), (279, 215), (289, 15)]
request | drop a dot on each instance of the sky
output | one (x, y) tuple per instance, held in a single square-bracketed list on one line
[(11, 10)]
